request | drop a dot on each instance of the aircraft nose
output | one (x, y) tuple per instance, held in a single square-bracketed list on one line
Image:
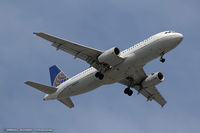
[(179, 37)]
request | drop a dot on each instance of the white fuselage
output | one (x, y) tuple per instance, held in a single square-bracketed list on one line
[(135, 56)]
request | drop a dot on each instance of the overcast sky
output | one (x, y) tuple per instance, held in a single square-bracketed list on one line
[(100, 24)]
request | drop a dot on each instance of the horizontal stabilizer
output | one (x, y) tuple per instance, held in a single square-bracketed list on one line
[(67, 101), (41, 87)]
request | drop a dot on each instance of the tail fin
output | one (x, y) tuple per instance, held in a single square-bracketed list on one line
[(57, 76)]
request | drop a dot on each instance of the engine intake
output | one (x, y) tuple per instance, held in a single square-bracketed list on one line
[(110, 56), (153, 80), (116, 50)]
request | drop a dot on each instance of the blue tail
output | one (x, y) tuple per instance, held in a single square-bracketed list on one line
[(57, 76)]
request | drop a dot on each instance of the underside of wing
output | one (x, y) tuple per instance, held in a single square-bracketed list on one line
[(77, 50), (151, 92), (90, 55)]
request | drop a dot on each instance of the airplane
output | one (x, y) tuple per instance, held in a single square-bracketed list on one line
[(109, 66)]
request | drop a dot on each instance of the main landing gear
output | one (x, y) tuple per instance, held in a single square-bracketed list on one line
[(161, 58), (99, 75), (128, 91)]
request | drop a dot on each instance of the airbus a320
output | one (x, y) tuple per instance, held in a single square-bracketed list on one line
[(109, 66)]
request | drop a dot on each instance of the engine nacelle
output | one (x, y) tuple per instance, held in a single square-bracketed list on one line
[(110, 56), (153, 80)]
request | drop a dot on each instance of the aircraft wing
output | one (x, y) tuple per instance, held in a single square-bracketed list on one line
[(78, 51), (67, 101), (150, 92)]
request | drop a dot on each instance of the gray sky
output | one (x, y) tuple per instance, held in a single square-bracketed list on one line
[(101, 24)]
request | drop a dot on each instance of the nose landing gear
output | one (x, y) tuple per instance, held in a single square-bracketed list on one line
[(161, 58)]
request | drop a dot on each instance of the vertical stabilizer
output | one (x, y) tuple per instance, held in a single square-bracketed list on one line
[(57, 76)]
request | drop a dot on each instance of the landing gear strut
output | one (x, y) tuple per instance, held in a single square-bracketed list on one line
[(161, 58), (128, 91), (99, 75)]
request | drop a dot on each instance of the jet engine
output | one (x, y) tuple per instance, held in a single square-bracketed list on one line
[(153, 80), (110, 56)]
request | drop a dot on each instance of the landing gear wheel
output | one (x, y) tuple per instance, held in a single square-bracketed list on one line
[(99, 75), (162, 60), (128, 91)]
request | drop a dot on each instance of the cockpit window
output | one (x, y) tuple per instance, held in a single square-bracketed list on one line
[(166, 32)]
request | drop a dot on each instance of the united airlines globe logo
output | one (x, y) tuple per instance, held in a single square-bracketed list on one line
[(60, 78)]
